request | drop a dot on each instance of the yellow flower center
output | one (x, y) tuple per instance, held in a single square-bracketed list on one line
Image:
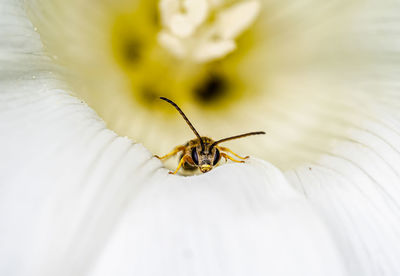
[(191, 68)]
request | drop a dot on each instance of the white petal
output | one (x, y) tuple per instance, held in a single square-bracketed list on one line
[(356, 185), (357, 189), (235, 220), (56, 160)]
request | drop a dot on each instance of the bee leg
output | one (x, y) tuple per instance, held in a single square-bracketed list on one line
[(228, 150), (175, 151), (224, 155), (183, 160)]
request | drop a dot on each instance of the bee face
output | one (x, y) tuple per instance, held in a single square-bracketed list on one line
[(206, 159)]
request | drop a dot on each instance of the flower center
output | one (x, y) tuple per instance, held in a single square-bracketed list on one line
[(183, 53), (233, 66)]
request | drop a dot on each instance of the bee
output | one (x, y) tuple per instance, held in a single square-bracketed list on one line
[(202, 152)]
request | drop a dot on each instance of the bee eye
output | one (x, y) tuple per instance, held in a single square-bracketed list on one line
[(216, 157), (195, 156)]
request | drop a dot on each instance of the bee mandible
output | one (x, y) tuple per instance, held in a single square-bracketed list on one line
[(202, 152)]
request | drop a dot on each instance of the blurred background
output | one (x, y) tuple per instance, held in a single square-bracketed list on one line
[(288, 68)]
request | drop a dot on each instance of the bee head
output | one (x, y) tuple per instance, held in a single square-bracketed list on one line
[(205, 159)]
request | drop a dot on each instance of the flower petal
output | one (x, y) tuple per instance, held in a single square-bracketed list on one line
[(356, 184), (356, 188), (235, 220)]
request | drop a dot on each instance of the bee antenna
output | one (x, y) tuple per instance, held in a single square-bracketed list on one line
[(186, 119), (236, 137)]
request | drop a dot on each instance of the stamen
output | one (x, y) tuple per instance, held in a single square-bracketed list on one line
[(183, 17), (186, 27), (210, 50), (233, 21), (172, 43)]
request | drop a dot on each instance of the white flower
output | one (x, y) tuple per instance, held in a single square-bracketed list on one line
[(77, 199)]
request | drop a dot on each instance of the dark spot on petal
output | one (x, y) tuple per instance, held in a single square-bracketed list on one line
[(155, 17), (213, 88), (148, 95), (131, 50)]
